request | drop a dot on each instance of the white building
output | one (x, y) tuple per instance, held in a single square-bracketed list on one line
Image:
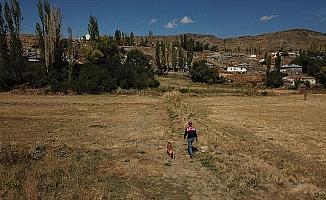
[(291, 69), (237, 69), (290, 80), (253, 56), (87, 37)]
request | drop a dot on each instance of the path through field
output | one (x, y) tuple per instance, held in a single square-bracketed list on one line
[(114, 147)]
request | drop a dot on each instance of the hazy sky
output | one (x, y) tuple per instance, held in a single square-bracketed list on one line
[(225, 18)]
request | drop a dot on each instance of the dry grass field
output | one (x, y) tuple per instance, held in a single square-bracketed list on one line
[(114, 147)]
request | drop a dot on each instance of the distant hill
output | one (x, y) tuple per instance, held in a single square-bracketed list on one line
[(210, 39), (294, 39)]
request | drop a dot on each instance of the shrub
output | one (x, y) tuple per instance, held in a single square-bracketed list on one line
[(35, 75), (200, 72), (137, 72), (8, 77), (94, 79), (274, 79)]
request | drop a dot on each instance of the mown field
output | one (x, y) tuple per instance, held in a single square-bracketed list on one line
[(114, 147)]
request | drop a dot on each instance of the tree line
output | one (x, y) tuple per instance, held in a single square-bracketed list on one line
[(313, 62), (106, 66), (11, 60), (177, 55)]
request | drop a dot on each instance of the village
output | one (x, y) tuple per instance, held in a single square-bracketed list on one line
[(236, 67)]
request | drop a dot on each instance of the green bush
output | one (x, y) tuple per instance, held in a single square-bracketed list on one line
[(274, 79), (136, 72), (8, 77), (35, 75), (94, 79), (200, 72)]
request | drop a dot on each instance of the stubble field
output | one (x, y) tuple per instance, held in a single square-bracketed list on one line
[(114, 147)]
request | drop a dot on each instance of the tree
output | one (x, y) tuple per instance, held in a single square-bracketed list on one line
[(93, 29), (198, 46), (13, 18), (117, 36), (181, 59), (11, 60), (40, 27), (49, 33), (3, 38), (163, 55), (200, 72), (132, 39), (190, 52), (174, 59), (278, 62), (71, 53), (157, 55), (268, 58), (168, 55), (274, 79), (137, 72)]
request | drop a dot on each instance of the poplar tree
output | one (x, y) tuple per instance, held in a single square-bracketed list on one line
[(13, 18), (174, 58), (190, 52), (3, 38), (93, 29), (157, 55), (132, 39), (180, 57), (163, 55), (49, 33), (71, 58), (278, 61)]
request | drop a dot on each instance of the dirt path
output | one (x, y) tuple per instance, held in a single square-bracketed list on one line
[(200, 182)]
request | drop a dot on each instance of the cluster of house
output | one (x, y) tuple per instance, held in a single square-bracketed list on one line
[(32, 55), (296, 76)]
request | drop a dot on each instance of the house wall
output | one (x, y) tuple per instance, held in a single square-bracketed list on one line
[(236, 69), (291, 71)]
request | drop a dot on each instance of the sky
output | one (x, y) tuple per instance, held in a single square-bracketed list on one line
[(222, 18)]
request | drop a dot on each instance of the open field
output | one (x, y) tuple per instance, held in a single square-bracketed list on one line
[(113, 147)]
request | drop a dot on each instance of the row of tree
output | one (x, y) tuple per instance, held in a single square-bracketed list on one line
[(174, 55), (107, 67), (314, 64), (124, 38), (11, 60)]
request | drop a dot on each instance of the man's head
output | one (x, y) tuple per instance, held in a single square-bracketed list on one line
[(190, 123)]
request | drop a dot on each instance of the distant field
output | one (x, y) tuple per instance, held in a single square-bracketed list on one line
[(113, 147)]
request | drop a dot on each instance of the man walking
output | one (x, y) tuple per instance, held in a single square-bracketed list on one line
[(191, 135)]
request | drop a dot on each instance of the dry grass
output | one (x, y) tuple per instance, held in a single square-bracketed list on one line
[(265, 147), (68, 147), (113, 147)]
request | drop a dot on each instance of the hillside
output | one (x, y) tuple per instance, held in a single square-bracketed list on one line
[(210, 39), (294, 39), (290, 39)]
